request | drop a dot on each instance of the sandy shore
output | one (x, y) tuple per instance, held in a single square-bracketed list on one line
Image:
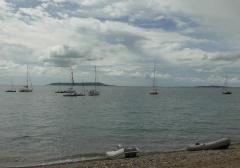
[(229, 158)]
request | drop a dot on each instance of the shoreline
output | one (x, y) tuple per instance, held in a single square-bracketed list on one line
[(87, 158), (163, 159)]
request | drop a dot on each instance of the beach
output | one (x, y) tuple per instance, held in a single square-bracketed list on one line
[(228, 158)]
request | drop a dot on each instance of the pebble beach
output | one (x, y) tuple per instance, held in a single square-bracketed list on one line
[(228, 158)]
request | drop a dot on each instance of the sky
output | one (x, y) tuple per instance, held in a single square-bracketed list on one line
[(191, 42)]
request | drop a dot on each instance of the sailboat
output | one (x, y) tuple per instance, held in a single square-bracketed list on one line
[(154, 90), (94, 91), (12, 89), (27, 88), (225, 88), (72, 92), (83, 89), (60, 90), (69, 90)]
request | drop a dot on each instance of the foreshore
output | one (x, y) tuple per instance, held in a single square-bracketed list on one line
[(228, 158)]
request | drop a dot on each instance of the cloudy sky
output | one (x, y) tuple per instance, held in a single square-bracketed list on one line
[(192, 42)]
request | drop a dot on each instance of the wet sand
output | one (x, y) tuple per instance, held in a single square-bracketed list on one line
[(229, 158)]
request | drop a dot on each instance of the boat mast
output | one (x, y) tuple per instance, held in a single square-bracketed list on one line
[(226, 83), (72, 77), (95, 79), (27, 76), (83, 87), (11, 85), (154, 74)]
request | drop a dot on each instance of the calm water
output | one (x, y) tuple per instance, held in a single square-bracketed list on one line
[(43, 126)]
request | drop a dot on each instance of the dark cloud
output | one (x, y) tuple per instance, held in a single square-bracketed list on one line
[(17, 53), (229, 58), (63, 56), (129, 40), (66, 56)]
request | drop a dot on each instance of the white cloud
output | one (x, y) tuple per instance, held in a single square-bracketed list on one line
[(31, 35)]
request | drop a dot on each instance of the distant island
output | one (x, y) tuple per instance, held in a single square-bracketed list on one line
[(211, 86), (80, 84)]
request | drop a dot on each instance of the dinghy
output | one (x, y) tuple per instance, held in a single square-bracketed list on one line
[(115, 154), (131, 152), (214, 145), (122, 152)]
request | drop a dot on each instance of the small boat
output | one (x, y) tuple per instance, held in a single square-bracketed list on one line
[(27, 88), (71, 92), (121, 152), (131, 152), (60, 91), (12, 89), (154, 90), (214, 145), (74, 94), (94, 91), (115, 154), (226, 91)]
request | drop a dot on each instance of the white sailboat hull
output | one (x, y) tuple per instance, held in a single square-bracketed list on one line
[(218, 144), (154, 92), (25, 90)]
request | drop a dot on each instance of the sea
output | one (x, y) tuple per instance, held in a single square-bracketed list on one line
[(43, 127)]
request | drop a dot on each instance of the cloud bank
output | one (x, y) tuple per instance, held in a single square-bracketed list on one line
[(188, 40)]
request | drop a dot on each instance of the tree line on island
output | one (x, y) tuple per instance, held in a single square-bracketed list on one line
[(80, 84)]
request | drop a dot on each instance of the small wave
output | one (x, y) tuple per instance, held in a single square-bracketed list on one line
[(70, 159), (21, 137)]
